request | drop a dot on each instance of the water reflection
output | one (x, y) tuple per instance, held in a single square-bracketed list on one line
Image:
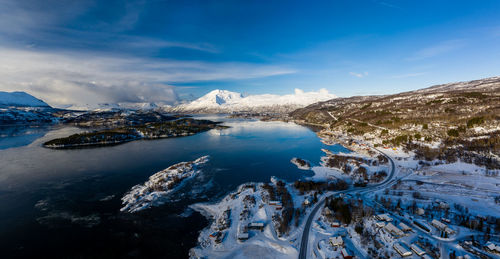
[(18, 136)]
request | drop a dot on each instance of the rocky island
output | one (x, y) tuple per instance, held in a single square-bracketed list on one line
[(301, 163), (153, 191), (153, 130)]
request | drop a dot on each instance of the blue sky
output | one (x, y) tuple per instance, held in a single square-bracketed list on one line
[(109, 51)]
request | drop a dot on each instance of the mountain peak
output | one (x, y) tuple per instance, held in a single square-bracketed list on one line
[(219, 97)]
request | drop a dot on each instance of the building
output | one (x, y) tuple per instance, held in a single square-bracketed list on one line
[(336, 241), (401, 250), (418, 251), (449, 231), (404, 227), (420, 211), (493, 248), (446, 220), (380, 224), (308, 200), (256, 225), (438, 224), (384, 217), (443, 227), (275, 203), (345, 254), (243, 236), (395, 231)]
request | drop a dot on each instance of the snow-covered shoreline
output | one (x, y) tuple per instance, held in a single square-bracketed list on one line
[(160, 184)]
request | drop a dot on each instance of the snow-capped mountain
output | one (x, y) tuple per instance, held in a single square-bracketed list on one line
[(20, 99), (223, 101)]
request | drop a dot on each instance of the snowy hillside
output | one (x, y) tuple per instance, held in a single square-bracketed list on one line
[(20, 99), (222, 101)]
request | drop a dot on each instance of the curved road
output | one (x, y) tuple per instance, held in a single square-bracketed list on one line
[(305, 234)]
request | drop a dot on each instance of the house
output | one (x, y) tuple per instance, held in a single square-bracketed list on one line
[(394, 230), (446, 220), (336, 241), (345, 254), (328, 212), (380, 224), (418, 251), (401, 250), (420, 211), (275, 203), (438, 224), (243, 236), (449, 231), (335, 224), (443, 227), (308, 200), (444, 205), (383, 217), (493, 248), (256, 225), (404, 227), (215, 234)]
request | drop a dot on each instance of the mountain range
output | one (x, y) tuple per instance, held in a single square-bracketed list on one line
[(223, 101)]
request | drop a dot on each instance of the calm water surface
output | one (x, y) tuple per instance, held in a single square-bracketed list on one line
[(65, 203)]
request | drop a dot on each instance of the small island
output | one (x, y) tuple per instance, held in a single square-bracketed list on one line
[(162, 183), (153, 130), (301, 163)]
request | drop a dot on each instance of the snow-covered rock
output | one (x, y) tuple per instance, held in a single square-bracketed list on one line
[(159, 185), (20, 99), (223, 101), (301, 163)]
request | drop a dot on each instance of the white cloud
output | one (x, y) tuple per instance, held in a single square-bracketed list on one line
[(359, 75), (62, 78), (438, 49)]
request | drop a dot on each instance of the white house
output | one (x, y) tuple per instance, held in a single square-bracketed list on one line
[(336, 241), (404, 227), (384, 217), (401, 250), (395, 231), (418, 251)]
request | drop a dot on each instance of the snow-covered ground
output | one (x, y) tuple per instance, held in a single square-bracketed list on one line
[(440, 187), (231, 219)]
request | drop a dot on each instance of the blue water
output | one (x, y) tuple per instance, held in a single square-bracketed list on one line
[(65, 203)]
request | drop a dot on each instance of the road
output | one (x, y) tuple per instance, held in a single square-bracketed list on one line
[(305, 234)]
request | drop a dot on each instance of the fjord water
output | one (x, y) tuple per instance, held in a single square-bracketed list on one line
[(66, 203)]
